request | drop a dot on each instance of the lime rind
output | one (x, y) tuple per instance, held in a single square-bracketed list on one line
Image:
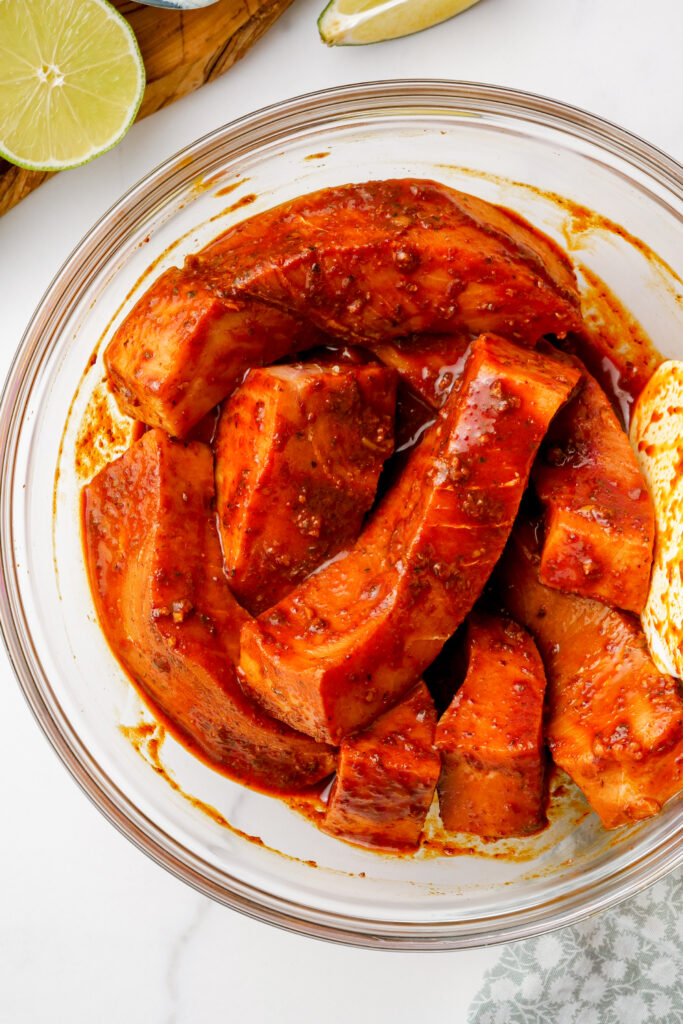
[(381, 20), (11, 62)]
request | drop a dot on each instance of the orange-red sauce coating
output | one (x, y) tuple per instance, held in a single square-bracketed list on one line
[(614, 346)]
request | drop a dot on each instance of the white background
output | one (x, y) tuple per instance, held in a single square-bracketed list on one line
[(90, 930)]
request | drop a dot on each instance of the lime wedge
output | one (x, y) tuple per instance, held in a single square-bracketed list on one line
[(352, 22), (71, 81)]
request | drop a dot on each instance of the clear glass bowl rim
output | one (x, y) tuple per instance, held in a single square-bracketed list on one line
[(308, 110)]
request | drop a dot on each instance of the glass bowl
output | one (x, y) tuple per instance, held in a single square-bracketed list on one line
[(545, 160)]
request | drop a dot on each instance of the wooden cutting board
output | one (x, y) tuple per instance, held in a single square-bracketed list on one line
[(182, 50)]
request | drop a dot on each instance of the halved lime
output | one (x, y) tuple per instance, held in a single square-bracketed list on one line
[(352, 22), (71, 81)]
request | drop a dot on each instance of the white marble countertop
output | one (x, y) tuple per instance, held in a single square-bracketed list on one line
[(90, 929)]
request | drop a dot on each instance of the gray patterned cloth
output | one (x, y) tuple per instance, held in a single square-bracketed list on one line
[(623, 967)]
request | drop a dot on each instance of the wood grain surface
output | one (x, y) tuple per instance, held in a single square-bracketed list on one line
[(182, 50)]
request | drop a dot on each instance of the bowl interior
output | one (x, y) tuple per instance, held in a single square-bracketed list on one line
[(544, 162)]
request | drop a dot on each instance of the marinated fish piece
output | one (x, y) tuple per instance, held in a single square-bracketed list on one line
[(182, 349), (366, 263), (298, 452), (615, 723), (386, 259), (354, 636), (599, 525), (386, 777), (657, 436), (156, 575), (491, 736)]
